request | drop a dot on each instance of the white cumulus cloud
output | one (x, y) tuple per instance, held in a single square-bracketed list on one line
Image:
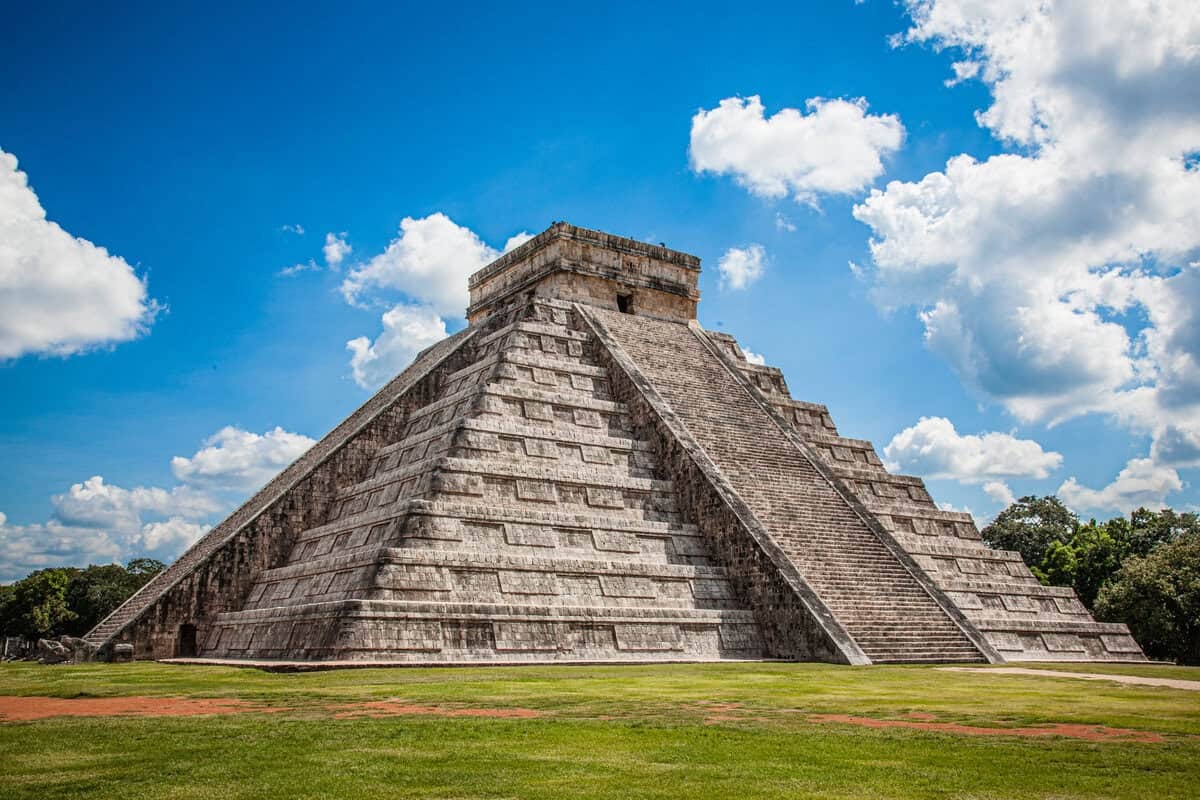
[(172, 536), (240, 460), (429, 262), (833, 147), (1140, 483), (59, 294), (407, 330), (933, 447), (516, 240), (1058, 278), (96, 504), (25, 548), (999, 492), (336, 248), (97, 522), (742, 266)]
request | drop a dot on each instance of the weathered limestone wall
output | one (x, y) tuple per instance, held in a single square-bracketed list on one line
[(221, 581), (216, 574), (577, 264), (601, 292), (517, 518)]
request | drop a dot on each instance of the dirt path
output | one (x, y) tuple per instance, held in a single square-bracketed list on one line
[(1091, 733), (24, 709), (1143, 680)]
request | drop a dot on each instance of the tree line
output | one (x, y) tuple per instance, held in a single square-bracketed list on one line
[(1143, 570), (69, 601)]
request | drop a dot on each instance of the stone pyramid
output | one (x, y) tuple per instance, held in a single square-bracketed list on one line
[(586, 474)]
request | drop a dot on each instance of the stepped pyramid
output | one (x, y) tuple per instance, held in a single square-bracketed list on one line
[(586, 474)]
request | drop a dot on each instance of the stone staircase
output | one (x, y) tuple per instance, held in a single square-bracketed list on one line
[(875, 597), (995, 590), (516, 518)]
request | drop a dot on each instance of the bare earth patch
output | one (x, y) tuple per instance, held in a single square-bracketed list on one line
[(23, 709), (1092, 733)]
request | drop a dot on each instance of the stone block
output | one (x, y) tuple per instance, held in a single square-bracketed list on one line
[(1120, 644), (458, 483), (740, 638), (595, 455), (586, 418), (645, 637), (536, 491), (526, 636), (528, 583), (541, 448), (530, 535), (1063, 643), (600, 497), (539, 412), (628, 586), (615, 541)]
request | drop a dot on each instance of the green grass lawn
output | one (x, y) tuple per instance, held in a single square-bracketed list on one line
[(694, 731)]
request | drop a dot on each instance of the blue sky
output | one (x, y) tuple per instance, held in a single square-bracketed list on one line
[(1033, 237)]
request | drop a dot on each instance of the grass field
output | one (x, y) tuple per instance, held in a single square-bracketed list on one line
[(694, 731)]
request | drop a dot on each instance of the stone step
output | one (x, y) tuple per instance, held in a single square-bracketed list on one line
[(590, 520), (919, 545), (535, 328), (488, 513), (556, 363), (444, 525), (406, 574), (1006, 587), (401, 609), (532, 394), (439, 430), (932, 658), (451, 632), (507, 426), (465, 559)]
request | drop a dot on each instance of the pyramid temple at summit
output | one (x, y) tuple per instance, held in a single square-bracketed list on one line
[(585, 474)]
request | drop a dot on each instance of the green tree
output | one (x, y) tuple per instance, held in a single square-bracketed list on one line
[(53, 602), (1030, 526), (37, 605), (1097, 549), (1085, 563), (1059, 565), (1098, 556), (1147, 529), (7, 592), (1158, 597), (96, 592)]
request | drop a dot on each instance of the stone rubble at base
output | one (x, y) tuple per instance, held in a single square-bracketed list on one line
[(585, 474)]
